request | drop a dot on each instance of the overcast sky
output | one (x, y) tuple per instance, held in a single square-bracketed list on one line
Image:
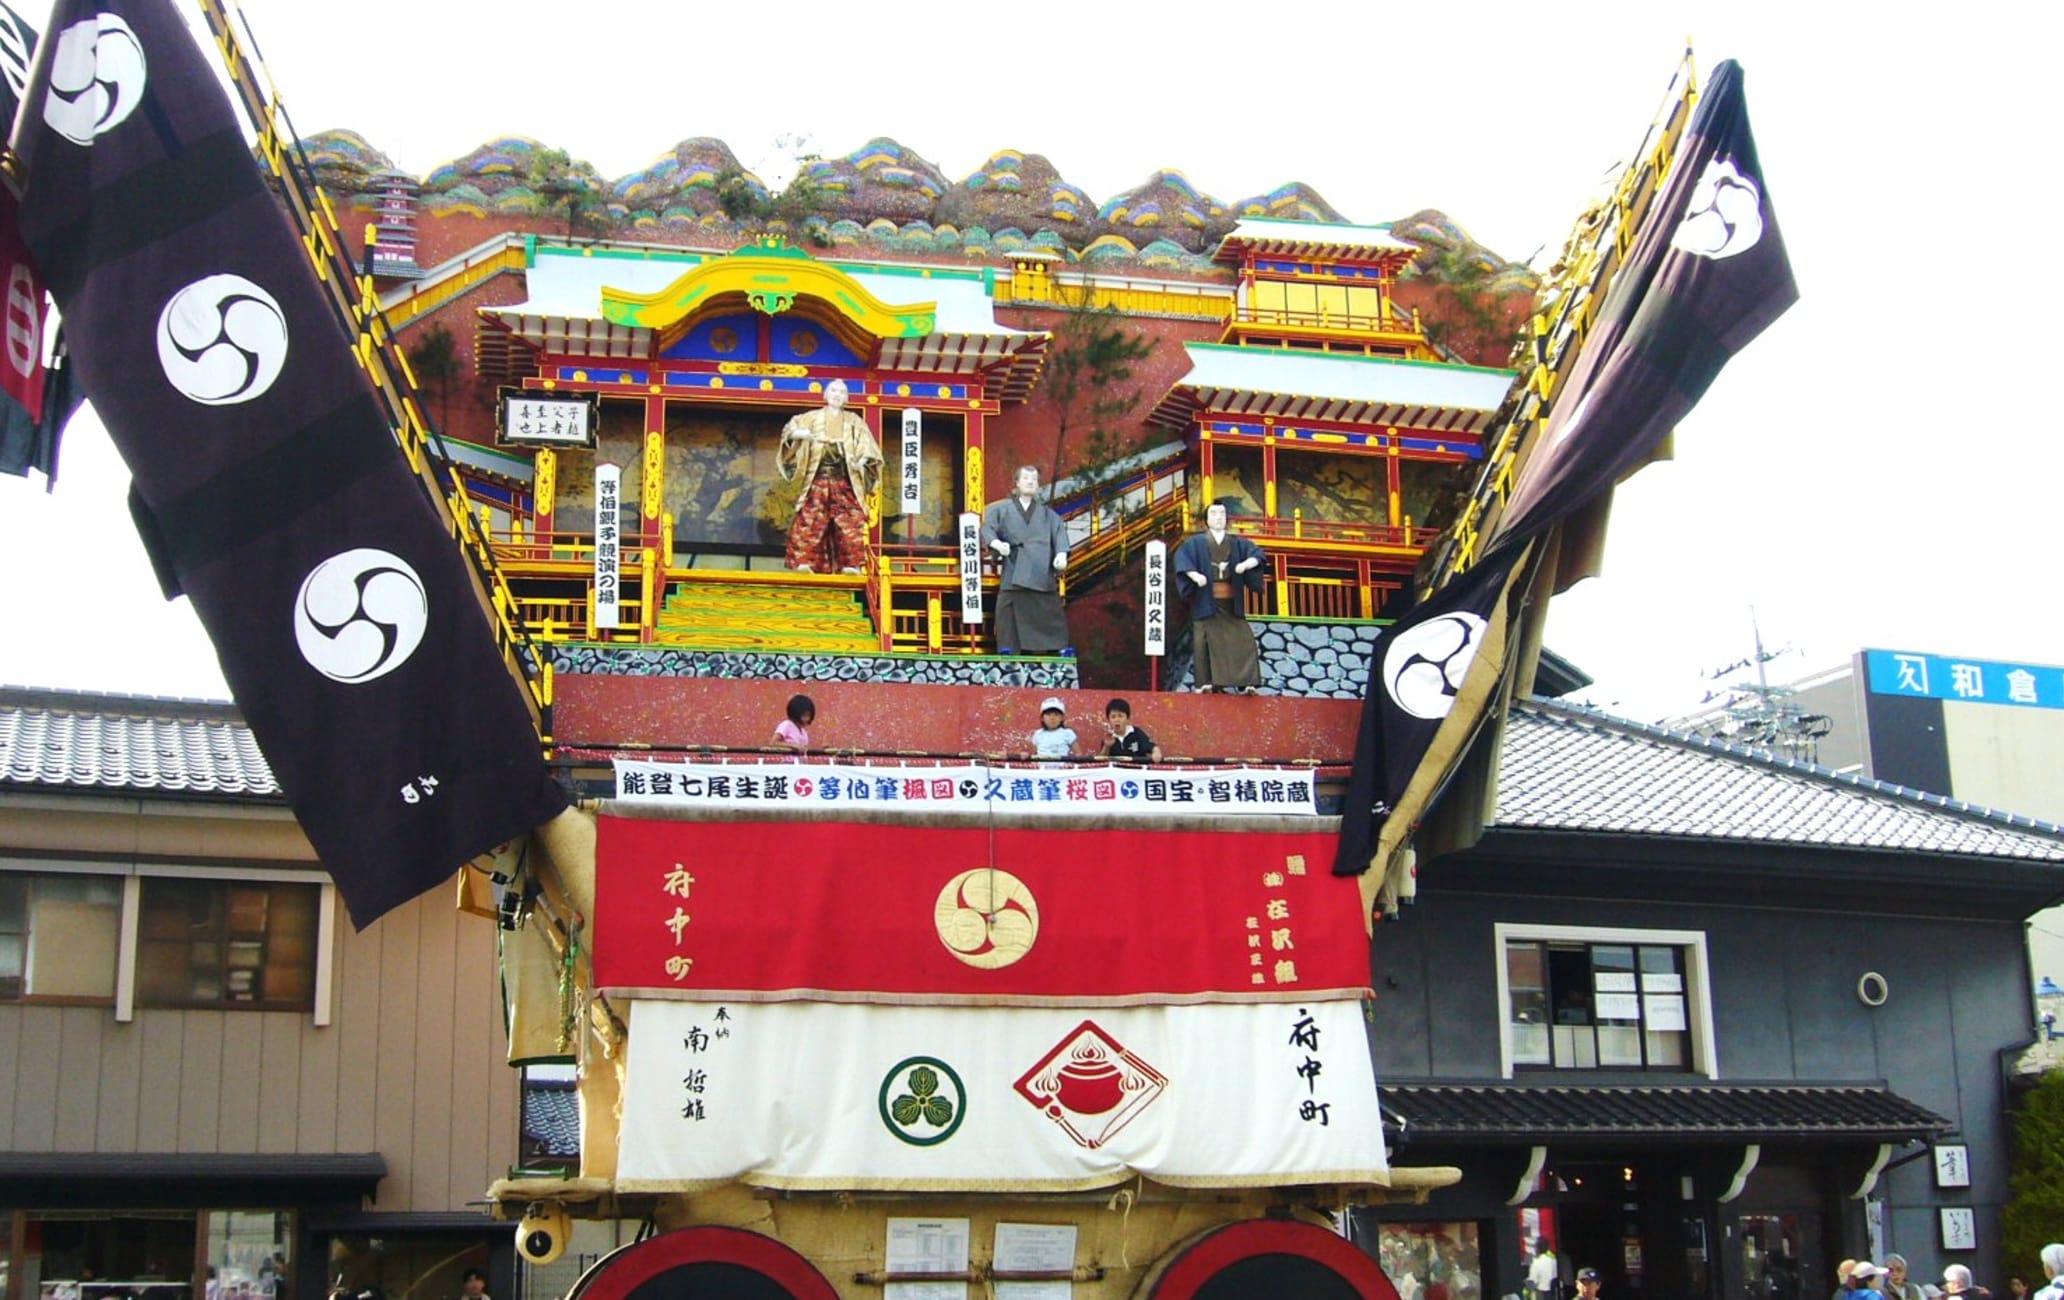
[(1879, 469)]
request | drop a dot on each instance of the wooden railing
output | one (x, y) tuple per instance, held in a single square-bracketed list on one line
[(1329, 320), (1576, 290), (1298, 528), (447, 280), (357, 306), (1035, 286), (1111, 519)]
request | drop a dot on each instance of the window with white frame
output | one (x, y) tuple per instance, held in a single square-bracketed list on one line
[(186, 937), (1580, 998), (59, 935)]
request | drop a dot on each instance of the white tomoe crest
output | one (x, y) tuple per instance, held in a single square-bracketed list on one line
[(360, 614), (1725, 215), (97, 74), (1423, 666), (222, 340)]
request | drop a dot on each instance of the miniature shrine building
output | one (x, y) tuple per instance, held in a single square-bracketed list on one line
[(1322, 417)]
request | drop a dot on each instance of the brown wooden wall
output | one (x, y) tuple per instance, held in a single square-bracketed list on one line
[(412, 1066)]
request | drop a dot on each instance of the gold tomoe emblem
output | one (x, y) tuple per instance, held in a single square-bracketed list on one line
[(987, 918)]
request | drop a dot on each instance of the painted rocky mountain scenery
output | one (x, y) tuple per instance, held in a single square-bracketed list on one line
[(881, 199)]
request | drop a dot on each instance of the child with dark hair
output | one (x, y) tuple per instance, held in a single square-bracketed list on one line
[(1127, 741), (794, 730)]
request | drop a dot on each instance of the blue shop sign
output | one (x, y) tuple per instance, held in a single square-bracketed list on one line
[(1975, 681)]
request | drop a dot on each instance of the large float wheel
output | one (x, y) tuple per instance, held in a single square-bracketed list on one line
[(706, 1264), (1266, 1259)]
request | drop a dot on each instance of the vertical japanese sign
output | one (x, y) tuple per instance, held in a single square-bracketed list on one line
[(971, 568), (1157, 598), (608, 543), (913, 449)]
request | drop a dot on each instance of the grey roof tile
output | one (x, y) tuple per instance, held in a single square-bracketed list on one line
[(1713, 1111), (87, 740), (1574, 769), (551, 1118)]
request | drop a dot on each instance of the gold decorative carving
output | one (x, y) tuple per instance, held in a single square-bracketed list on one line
[(653, 491), (777, 369), (544, 480)]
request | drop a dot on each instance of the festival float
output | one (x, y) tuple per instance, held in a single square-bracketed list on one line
[(899, 1007)]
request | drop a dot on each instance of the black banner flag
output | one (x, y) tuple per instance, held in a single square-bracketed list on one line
[(1419, 677), (1705, 274), (347, 626)]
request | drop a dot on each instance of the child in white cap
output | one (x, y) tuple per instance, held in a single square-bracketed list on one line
[(1055, 738)]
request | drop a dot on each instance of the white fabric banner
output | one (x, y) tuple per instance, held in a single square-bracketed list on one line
[(608, 571), (1154, 612), (971, 568), (817, 1096), (969, 787), (910, 466)]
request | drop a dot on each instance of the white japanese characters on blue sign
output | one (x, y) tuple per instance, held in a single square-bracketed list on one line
[(1977, 681)]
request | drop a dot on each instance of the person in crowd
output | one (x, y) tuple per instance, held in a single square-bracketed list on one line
[(1055, 738), (1588, 1283), (1127, 741), (2017, 1288), (1544, 1278), (794, 730), (1219, 568), (1896, 1284), (1032, 542), (2053, 1272), (1842, 1272), (1956, 1281), (473, 1286), (1863, 1280)]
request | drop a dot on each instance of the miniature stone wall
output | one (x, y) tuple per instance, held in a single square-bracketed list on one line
[(1317, 660), (631, 661)]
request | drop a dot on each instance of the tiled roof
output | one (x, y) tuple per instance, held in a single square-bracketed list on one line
[(1722, 1112), (1331, 236), (84, 740), (1293, 384), (551, 1118), (1566, 768)]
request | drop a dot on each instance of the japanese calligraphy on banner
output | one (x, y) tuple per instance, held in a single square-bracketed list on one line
[(1035, 1099), (608, 543), (971, 568), (1975, 681), (970, 787), (1015, 914), (525, 419), (909, 474), (1156, 605)]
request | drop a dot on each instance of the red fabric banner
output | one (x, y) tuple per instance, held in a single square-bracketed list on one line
[(861, 912), (22, 315)]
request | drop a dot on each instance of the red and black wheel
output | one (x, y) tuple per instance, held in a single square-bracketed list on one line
[(1266, 1259), (707, 1264)]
